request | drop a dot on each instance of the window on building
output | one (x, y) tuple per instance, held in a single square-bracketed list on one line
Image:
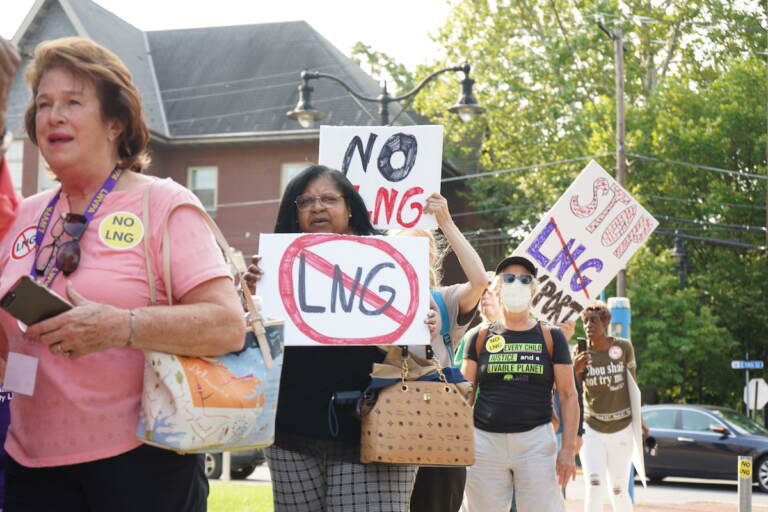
[(288, 171), (45, 178), (203, 181), (14, 158)]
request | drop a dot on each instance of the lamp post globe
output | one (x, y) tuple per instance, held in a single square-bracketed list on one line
[(466, 107)]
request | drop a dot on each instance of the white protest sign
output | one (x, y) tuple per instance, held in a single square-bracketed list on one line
[(346, 290), (395, 169), (582, 242), (638, 450)]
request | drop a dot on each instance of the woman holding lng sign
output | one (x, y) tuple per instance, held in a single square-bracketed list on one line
[(606, 454), (314, 463), (515, 363)]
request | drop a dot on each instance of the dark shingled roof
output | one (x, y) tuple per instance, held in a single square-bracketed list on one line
[(218, 80)]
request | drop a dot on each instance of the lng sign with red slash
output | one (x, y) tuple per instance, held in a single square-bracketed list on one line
[(346, 290), (582, 242), (395, 169)]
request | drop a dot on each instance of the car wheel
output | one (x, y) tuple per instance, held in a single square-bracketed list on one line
[(212, 465), (242, 472), (761, 474)]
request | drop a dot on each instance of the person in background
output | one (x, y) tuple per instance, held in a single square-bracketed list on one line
[(490, 311), (9, 202), (515, 367), (72, 443), (606, 452), (442, 489)]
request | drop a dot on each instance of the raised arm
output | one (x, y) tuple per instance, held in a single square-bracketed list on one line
[(477, 279)]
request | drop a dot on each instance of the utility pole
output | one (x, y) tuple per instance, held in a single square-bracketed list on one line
[(621, 150)]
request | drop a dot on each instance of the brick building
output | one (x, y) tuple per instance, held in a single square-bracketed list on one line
[(215, 100)]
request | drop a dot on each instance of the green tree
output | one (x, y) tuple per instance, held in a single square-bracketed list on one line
[(696, 85)]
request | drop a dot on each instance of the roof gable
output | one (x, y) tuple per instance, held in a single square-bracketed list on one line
[(212, 81), (244, 78)]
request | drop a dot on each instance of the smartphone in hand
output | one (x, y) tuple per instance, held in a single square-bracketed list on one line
[(581, 345), (31, 302)]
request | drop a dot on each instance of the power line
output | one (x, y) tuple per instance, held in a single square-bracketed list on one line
[(712, 241), (296, 73), (738, 227), (693, 201), (698, 166), (526, 168), (246, 112)]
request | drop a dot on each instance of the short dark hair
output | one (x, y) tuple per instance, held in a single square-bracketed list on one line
[(287, 214), (600, 309)]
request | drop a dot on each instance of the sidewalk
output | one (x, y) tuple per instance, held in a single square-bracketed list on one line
[(699, 506)]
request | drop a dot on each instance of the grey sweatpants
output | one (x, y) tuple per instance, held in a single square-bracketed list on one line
[(521, 463)]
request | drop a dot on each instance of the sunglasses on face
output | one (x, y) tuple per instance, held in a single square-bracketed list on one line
[(523, 278), (66, 255), (328, 200)]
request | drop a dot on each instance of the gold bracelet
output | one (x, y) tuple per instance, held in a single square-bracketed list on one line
[(132, 321)]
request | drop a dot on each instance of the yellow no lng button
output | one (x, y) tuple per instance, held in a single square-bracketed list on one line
[(745, 468), (121, 230), (494, 344)]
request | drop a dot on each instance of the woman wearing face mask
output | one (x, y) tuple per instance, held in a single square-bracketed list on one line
[(515, 368)]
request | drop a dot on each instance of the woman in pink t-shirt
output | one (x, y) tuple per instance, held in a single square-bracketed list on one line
[(72, 443)]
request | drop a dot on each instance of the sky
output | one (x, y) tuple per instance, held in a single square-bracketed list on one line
[(400, 28)]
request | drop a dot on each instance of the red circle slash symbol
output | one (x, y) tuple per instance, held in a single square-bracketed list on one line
[(287, 291)]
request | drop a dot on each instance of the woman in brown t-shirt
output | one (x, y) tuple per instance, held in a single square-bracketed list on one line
[(606, 451)]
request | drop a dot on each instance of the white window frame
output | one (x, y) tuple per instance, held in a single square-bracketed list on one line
[(191, 171), (14, 159), (288, 170)]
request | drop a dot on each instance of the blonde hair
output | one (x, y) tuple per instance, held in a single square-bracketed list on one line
[(492, 288), (438, 250), (119, 98)]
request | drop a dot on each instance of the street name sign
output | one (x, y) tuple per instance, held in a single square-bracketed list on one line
[(747, 365)]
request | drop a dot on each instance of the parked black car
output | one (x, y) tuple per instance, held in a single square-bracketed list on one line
[(703, 441), (241, 464)]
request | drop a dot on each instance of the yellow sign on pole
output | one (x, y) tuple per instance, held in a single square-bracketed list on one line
[(745, 468)]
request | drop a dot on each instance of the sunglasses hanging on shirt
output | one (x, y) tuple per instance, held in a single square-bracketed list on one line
[(66, 255)]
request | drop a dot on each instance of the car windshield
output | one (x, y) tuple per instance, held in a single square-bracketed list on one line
[(741, 423)]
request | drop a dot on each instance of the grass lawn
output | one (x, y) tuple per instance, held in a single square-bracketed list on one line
[(239, 497)]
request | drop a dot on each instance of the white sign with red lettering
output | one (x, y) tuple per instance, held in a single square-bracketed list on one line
[(395, 169), (582, 242), (346, 290)]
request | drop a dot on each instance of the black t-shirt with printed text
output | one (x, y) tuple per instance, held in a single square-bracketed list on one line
[(515, 378)]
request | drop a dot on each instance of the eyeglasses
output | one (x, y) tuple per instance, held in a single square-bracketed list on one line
[(328, 200), (66, 255), (523, 278)]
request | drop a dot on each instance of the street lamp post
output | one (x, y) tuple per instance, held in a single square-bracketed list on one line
[(466, 107)]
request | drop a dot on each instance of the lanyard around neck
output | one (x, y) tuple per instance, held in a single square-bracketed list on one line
[(45, 221)]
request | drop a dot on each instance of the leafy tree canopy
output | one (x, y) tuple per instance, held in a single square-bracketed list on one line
[(696, 85)]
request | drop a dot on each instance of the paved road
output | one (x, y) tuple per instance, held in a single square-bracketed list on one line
[(671, 495), (680, 494)]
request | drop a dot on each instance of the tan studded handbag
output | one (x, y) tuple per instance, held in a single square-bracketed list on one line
[(421, 422)]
